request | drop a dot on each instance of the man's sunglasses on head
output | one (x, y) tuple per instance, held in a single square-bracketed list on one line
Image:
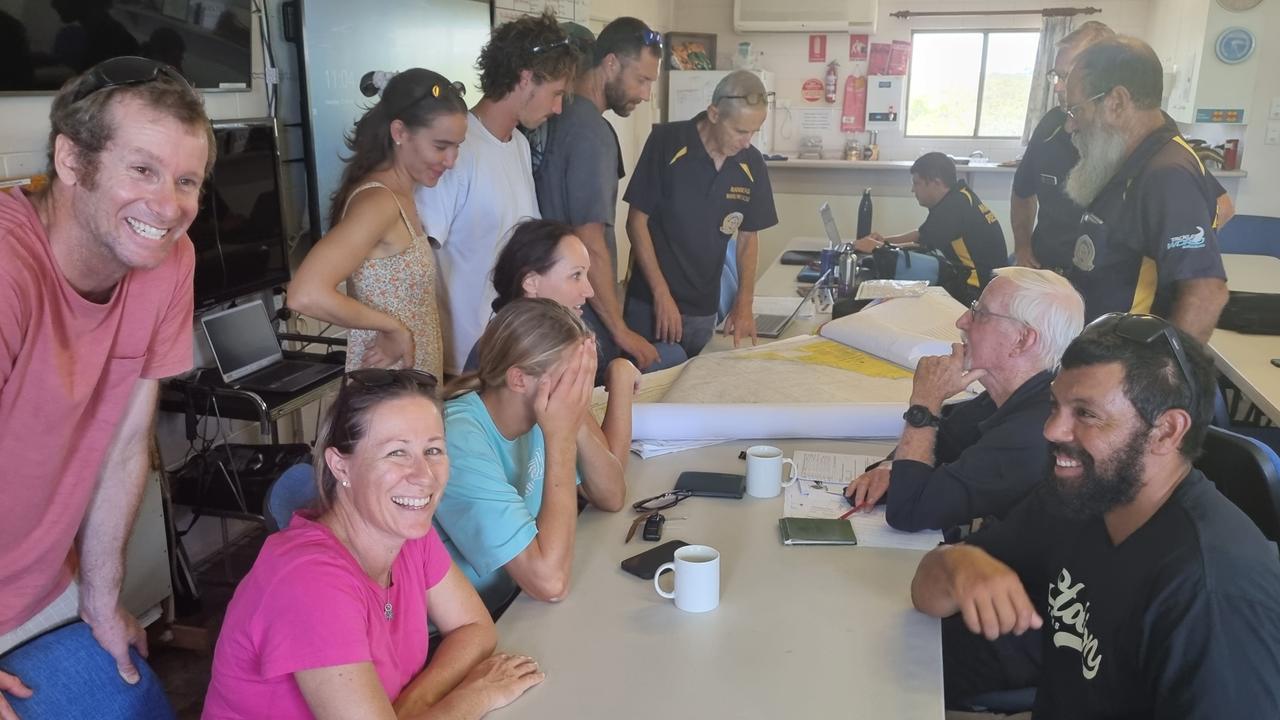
[(125, 70)]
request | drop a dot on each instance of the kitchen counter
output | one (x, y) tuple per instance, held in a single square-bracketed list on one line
[(906, 165)]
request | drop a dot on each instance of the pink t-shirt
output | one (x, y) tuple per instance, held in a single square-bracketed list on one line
[(67, 368), (308, 604)]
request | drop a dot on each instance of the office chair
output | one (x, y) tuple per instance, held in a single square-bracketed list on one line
[(73, 678), (293, 490), (1250, 235), (1247, 472)]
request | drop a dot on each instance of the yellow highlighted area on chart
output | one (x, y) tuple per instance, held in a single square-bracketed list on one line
[(821, 351)]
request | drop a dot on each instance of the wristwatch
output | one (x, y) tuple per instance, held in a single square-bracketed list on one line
[(920, 416)]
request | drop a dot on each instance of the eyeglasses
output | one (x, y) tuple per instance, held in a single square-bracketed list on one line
[(1056, 77), (433, 91), (538, 49), (750, 98), (651, 38), (1071, 110), (1144, 329), (381, 377), (125, 70), (976, 313), (661, 502)]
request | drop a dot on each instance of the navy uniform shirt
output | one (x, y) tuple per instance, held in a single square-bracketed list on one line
[(1151, 226), (1180, 620), (987, 460), (694, 210), (962, 228), (1042, 174)]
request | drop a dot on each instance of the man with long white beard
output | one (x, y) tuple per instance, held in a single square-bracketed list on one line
[(1146, 242), (1156, 596)]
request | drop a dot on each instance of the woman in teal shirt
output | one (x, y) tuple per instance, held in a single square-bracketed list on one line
[(520, 448)]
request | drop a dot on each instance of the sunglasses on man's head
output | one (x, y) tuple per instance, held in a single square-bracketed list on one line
[(381, 377), (651, 38), (125, 70), (1145, 329), (539, 49), (750, 98)]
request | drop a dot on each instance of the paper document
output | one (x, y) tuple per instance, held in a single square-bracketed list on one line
[(828, 353), (709, 421), (826, 500), (876, 289), (901, 330), (825, 467)]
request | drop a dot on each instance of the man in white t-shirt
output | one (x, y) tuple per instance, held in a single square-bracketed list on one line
[(524, 70)]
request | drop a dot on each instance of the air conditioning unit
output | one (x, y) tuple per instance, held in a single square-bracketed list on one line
[(805, 16)]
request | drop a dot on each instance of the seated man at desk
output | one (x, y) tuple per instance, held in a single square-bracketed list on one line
[(979, 458), (1158, 596), (959, 226), (95, 308)]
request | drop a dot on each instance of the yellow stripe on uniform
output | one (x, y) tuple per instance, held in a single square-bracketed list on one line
[(1144, 295), (1178, 139), (747, 170), (679, 154), (962, 252)]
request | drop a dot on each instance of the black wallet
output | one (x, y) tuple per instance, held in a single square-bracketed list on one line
[(712, 484)]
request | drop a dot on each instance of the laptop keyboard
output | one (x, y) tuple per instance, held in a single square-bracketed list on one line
[(279, 372)]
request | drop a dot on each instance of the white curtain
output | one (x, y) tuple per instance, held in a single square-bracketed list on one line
[(1052, 30)]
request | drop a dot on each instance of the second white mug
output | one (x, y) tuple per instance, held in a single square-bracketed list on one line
[(764, 471), (697, 578)]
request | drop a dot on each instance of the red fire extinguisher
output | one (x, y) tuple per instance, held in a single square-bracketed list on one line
[(832, 72)]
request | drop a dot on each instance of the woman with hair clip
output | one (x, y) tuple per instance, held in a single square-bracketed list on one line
[(522, 442), (544, 259), (376, 241), (331, 622)]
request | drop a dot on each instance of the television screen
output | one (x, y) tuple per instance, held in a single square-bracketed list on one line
[(239, 236), (48, 41)]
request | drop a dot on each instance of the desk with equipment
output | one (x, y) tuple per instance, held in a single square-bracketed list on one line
[(1246, 359), (800, 631)]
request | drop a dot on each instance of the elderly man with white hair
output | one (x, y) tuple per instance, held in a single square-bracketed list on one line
[(698, 183), (978, 458)]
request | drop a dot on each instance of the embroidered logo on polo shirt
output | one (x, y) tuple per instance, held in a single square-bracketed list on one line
[(730, 223), (1048, 179), (1190, 241), (1084, 254), (1070, 619)]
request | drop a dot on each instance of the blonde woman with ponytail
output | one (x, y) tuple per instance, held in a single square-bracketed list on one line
[(522, 445), (377, 243)]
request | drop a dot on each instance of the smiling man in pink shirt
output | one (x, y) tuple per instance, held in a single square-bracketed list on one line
[(95, 308)]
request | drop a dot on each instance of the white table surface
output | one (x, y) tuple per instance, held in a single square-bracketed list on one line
[(801, 631), (1246, 359)]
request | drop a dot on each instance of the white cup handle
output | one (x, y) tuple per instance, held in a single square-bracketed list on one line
[(661, 569), (791, 477)]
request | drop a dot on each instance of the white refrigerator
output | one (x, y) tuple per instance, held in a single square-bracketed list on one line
[(689, 93)]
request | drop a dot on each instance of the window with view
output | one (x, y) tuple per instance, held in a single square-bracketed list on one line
[(970, 83)]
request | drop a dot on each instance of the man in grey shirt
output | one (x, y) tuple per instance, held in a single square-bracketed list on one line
[(577, 180)]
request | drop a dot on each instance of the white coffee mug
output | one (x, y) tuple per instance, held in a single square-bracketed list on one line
[(697, 578), (764, 471)]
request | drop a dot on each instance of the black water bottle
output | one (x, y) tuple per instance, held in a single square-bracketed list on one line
[(864, 214)]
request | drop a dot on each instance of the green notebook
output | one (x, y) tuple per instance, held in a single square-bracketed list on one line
[(816, 531)]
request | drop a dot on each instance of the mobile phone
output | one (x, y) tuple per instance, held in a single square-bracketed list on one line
[(647, 563)]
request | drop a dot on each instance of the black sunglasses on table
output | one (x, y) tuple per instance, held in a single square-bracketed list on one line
[(125, 70), (661, 502), (1145, 329)]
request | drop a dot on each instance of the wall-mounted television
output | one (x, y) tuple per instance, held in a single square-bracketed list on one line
[(239, 234), (45, 42)]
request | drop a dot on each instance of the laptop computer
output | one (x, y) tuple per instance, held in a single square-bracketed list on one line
[(249, 356), (829, 224), (772, 326)]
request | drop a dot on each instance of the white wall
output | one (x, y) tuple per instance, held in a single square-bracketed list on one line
[(1259, 194)]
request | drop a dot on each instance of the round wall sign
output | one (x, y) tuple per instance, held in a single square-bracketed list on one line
[(812, 90), (1238, 5), (1234, 45)]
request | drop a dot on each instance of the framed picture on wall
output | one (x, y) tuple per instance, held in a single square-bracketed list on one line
[(691, 51)]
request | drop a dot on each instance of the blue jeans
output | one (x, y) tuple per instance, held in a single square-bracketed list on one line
[(696, 329), (72, 677), (669, 354)]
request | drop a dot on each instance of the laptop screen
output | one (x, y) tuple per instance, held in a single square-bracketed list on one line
[(242, 339), (829, 223)]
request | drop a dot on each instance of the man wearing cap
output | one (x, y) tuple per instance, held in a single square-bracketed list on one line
[(699, 183)]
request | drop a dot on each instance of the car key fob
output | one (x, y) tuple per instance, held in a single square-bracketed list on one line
[(653, 527)]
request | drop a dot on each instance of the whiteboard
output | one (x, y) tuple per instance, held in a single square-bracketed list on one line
[(342, 41)]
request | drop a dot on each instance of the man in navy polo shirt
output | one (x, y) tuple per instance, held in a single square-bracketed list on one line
[(959, 225), (1147, 241), (697, 183)]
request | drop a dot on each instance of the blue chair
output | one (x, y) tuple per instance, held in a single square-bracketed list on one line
[(72, 677), (1250, 235), (293, 490), (1247, 472)]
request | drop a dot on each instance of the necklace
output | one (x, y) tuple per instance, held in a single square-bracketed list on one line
[(388, 611)]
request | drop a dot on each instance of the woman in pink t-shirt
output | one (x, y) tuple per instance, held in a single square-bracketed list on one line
[(332, 619)]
